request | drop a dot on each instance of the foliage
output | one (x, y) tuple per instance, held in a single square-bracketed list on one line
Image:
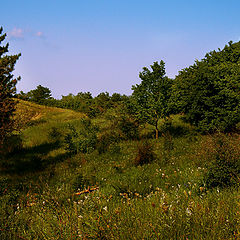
[(128, 127), (39, 94), (150, 98), (223, 161), (208, 91), (83, 141), (54, 134), (107, 196), (7, 90), (106, 139)]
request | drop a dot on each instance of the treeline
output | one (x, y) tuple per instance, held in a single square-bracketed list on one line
[(207, 94), (82, 102)]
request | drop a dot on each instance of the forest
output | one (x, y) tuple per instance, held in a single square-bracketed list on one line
[(162, 163)]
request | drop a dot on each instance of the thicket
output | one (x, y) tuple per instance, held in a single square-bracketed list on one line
[(82, 102), (208, 92)]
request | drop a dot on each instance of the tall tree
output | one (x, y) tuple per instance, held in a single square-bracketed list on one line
[(7, 89), (39, 94), (151, 97)]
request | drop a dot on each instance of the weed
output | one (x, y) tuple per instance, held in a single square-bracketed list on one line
[(145, 153)]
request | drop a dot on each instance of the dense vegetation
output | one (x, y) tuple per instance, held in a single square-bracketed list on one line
[(208, 91), (7, 90), (128, 167)]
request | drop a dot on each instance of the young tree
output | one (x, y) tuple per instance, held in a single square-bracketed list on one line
[(150, 98), (7, 90)]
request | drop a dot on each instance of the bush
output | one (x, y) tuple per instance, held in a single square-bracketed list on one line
[(12, 144), (54, 134), (106, 139), (223, 156), (145, 153), (83, 141), (128, 127)]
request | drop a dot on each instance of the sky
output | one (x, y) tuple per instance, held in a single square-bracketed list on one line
[(73, 46)]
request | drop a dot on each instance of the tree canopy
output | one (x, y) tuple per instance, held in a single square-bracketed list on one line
[(208, 92), (39, 94), (7, 89), (151, 97)]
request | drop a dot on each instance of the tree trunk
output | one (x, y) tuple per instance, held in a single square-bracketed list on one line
[(156, 129), (156, 133)]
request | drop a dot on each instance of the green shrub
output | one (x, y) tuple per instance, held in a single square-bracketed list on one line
[(12, 144), (83, 141), (128, 127), (106, 139), (223, 156), (54, 134)]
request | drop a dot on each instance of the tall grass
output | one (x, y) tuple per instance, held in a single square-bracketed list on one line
[(129, 191)]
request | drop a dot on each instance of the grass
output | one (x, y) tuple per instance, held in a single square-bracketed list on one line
[(46, 193)]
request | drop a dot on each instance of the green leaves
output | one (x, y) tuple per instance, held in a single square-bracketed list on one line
[(7, 90), (209, 91), (151, 97)]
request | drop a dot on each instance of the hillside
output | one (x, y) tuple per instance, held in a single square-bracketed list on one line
[(73, 178)]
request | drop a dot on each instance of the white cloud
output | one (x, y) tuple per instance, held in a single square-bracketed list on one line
[(20, 33), (17, 33), (39, 34)]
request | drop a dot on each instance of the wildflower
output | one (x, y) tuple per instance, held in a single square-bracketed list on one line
[(188, 212), (136, 194), (105, 208)]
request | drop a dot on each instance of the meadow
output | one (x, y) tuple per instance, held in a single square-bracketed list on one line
[(71, 177)]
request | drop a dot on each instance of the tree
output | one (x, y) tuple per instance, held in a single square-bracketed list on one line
[(150, 98), (209, 91), (39, 94), (7, 90)]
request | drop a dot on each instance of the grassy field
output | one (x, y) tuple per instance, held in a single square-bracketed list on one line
[(131, 189)]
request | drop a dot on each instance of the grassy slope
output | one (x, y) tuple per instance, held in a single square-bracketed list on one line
[(161, 200), (41, 119)]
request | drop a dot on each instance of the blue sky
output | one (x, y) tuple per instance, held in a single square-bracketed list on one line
[(102, 45)]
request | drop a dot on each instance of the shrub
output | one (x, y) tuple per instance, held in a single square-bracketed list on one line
[(84, 141), (106, 139), (128, 127), (223, 156), (145, 153), (54, 134), (12, 144)]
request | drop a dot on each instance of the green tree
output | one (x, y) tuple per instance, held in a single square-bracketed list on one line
[(209, 91), (39, 94), (7, 90), (150, 98)]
